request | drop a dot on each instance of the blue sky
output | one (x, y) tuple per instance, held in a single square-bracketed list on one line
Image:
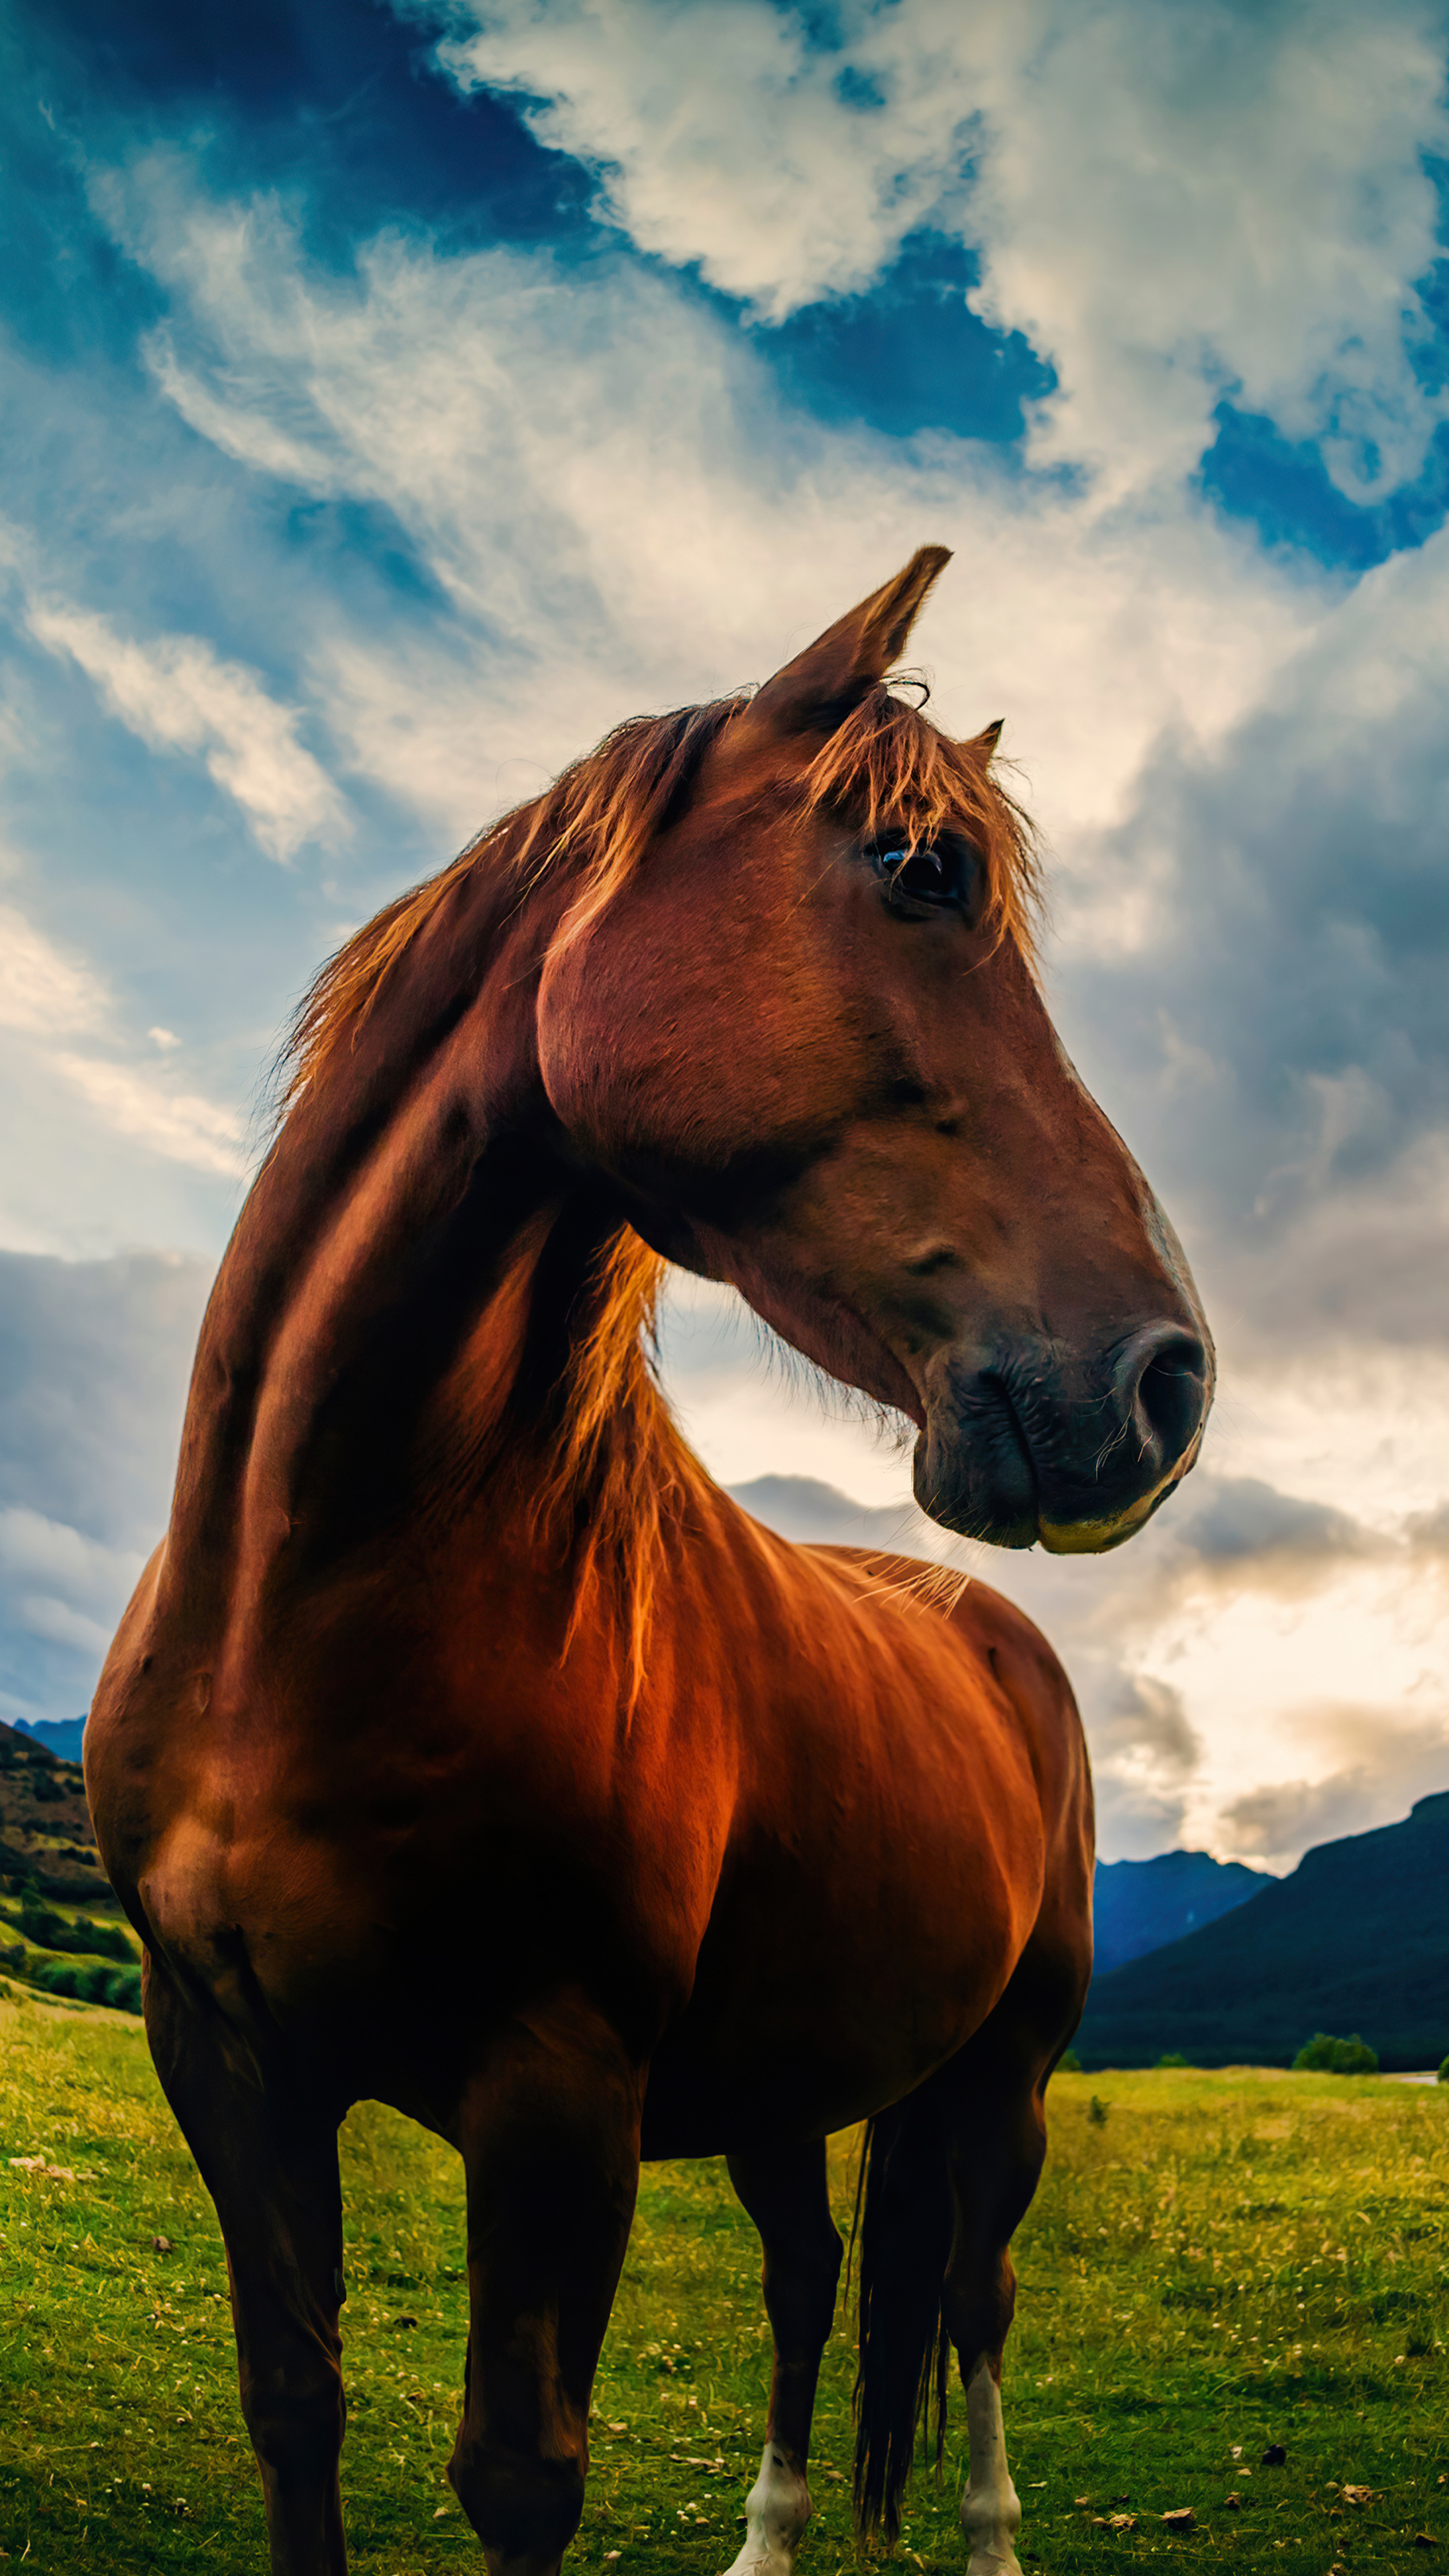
[(395, 396)]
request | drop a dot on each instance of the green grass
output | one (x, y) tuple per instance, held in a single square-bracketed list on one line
[(1222, 2260)]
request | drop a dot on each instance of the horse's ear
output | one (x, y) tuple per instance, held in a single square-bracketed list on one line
[(815, 692), (989, 737)]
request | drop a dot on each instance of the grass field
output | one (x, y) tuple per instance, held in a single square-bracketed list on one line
[(1220, 2263)]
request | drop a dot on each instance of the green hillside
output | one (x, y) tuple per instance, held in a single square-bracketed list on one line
[(1232, 2299), (1357, 1939), (61, 1927)]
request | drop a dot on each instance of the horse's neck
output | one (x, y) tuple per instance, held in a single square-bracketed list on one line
[(401, 1285)]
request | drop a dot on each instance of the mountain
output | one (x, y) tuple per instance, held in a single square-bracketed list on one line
[(1140, 1904), (59, 1735), (46, 1834), (1357, 1939)]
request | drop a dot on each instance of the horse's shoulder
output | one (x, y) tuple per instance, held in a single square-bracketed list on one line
[(996, 1624), (983, 1616)]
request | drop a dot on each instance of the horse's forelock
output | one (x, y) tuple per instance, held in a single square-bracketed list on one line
[(888, 767)]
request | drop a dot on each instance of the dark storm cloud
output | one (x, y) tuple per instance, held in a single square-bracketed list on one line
[(1145, 1756), (1280, 1050), (1248, 1528), (1428, 1536), (1148, 1724)]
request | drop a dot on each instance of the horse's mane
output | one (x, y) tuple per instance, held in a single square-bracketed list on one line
[(887, 764)]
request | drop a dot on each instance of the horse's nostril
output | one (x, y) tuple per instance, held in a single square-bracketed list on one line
[(1162, 1379)]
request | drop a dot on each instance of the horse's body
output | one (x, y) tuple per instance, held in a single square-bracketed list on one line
[(465, 1747)]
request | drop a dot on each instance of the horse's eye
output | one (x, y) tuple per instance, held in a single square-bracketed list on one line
[(943, 877)]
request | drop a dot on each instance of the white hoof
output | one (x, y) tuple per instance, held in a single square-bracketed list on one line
[(777, 2509), (993, 2557), (990, 2507)]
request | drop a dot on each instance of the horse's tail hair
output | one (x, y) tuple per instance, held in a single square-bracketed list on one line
[(904, 2217)]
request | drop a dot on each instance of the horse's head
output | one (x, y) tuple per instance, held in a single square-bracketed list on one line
[(803, 1034)]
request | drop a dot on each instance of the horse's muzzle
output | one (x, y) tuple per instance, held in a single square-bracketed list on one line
[(1024, 1443)]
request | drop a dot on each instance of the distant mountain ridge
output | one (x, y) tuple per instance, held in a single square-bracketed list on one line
[(1356, 1939), (59, 1735), (1139, 1905)]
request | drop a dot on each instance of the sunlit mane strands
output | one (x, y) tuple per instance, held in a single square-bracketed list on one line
[(600, 815), (620, 1465), (621, 1472)]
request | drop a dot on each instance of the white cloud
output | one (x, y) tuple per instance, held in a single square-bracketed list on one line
[(48, 994), (177, 694), (42, 989), (1171, 205), (725, 140), (59, 1585), (236, 427), (1177, 205), (136, 1101), (59, 1623)]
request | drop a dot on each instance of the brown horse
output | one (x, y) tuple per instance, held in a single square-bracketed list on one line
[(464, 1746)]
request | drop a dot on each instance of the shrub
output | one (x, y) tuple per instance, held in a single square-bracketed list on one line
[(56, 1977), (1322, 2055), (50, 1931), (1444, 2072), (1172, 2059), (1069, 2063), (92, 1984), (123, 1988)]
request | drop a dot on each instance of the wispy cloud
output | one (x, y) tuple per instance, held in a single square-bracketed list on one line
[(178, 695), (60, 1585), (1146, 1756), (182, 1125), (48, 993), (595, 474), (42, 989)]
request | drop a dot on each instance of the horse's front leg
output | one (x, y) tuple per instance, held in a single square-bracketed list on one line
[(549, 2133), (268, 2157), (784, 2188)]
